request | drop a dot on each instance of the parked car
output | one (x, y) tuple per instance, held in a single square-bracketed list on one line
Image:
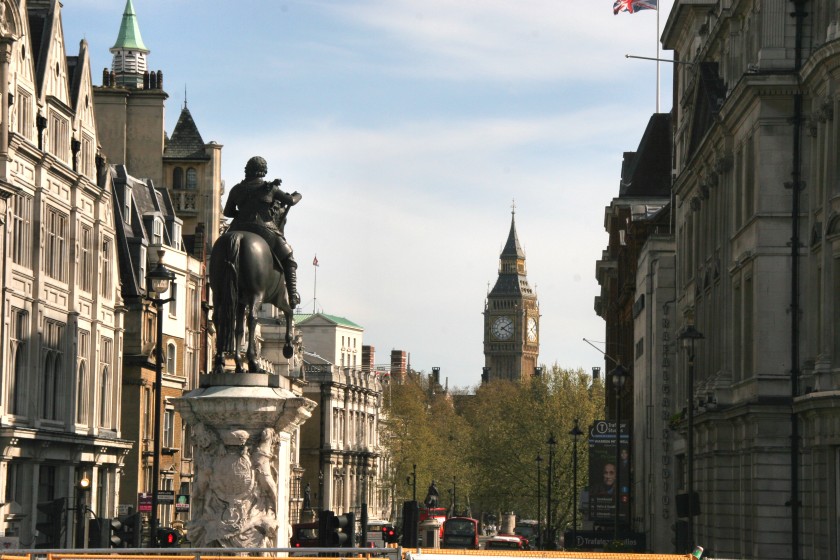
[(507, 542), (304, 535)]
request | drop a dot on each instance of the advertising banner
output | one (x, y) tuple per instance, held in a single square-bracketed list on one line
[(608, 475)]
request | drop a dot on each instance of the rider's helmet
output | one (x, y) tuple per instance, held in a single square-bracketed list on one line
[(256, 167)]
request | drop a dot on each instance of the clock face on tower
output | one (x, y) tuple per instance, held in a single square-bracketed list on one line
[(502, 328), (532, 329)]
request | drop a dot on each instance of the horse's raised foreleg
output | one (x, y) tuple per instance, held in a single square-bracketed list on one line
[(239, 333), (251, 351)]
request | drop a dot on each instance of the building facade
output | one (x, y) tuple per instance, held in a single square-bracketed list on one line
[(511, 318), (148, 231), (341, 457), (152, 215), (636, 301), (755, 221), (62, 314)]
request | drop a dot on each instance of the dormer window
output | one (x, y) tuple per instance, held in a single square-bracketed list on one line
[(127, 205), (59, 132), (176, 235), (157, 232)]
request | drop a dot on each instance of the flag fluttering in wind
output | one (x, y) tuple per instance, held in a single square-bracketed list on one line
[(315, 261), (633, 6)]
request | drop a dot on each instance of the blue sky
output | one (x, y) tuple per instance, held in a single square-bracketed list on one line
[(410, 127)]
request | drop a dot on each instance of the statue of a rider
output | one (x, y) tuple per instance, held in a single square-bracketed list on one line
[(260, 207)]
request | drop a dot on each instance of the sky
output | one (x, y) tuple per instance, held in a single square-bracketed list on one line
[(413, 129)]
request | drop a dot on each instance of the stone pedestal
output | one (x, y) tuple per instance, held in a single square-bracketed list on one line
[(239, 424)]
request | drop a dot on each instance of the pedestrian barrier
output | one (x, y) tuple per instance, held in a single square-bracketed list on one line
[(324, 554), (447, 554)]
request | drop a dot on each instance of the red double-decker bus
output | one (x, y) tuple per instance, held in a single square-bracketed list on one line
[(460, 532)]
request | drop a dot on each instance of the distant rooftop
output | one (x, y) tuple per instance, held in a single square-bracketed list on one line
[(301, 317)]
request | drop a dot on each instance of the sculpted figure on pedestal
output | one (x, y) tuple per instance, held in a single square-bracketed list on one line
[(235, 491)]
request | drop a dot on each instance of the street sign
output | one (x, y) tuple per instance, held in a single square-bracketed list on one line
[(182, 504), (144, 502)]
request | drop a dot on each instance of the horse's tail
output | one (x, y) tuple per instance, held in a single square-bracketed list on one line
[(228, 300)]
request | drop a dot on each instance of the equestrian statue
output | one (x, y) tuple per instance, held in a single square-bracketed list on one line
[(251, 264)]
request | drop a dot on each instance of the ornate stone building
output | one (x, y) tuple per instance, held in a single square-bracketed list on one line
[(511, 318), (340, 453), (147, 226), (174, 208), (62, 315), (636, 275), (756, 234)]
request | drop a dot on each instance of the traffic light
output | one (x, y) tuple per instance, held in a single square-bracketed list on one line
[(342, 531), (51, 527), (336, 531), (411, 519), (129, 532), (167, 537), (115, 529), (389, 534)]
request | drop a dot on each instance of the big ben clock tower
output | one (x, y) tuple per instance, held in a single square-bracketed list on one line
[(511, 318)]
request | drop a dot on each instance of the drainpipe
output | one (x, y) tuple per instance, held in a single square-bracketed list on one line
[(796, 180)]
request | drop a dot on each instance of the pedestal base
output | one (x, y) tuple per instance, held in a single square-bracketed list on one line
[(237, 422)]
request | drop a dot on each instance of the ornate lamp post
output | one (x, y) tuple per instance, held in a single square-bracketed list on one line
[(412, 479), (82, 491), (454, 498), (619, 378), (539, 505), (158, 281), (575, 433), (688, 336), (549, 528)]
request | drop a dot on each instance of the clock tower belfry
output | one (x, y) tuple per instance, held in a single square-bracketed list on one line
[(511, 318)]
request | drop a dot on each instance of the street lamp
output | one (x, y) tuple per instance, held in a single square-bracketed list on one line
[(549, 531), (454, 499), (619, 378), (159, 281), (82, 507), (575, 433), (413, 481), (539, 499), (688, 337)]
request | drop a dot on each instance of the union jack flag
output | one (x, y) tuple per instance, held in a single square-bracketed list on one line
[(633, 6)]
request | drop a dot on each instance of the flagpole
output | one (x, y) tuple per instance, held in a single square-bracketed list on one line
[(315, 287), (658, 84)]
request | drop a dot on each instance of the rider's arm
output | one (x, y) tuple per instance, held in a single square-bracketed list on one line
[(230, 210), (289, 199)]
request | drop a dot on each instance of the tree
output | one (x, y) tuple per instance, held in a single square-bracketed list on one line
[(489, 442), (422, 428)]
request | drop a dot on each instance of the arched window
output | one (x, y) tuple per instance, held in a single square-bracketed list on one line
[(192, 178), (104, 401), (170, 358), (178, 178), (18, 383), (48, 396), (81, 394)]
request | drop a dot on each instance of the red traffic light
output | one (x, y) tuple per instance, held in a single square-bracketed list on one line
[(389, 534), (168, 537)]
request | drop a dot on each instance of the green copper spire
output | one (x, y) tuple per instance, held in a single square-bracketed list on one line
[(129, 37)]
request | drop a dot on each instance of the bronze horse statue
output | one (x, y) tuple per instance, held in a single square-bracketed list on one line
[(242, 277)]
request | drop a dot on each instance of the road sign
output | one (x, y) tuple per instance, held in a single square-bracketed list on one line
[(166, 496)]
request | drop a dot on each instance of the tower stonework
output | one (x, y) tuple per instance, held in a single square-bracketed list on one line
[(511, 318)]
